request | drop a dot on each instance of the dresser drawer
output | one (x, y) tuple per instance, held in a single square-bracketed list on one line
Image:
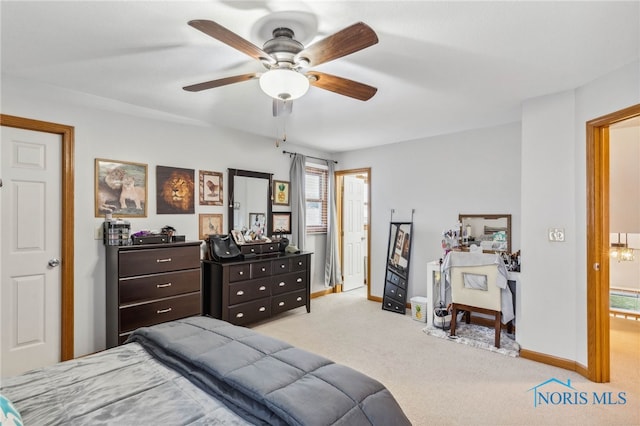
[(245, 313), (280, 266), (395, 292), (260, 269), (288, 282), (248, 290), (151, 261), (171, 308), (396, 279), (270, 248), (250, 248), (284, 302), (299, 263), (158, 286), (239, 272)]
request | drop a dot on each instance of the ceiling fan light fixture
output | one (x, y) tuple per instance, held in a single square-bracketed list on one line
[(284, 84)]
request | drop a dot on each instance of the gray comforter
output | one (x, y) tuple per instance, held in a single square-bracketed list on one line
[(267, 381), (241, 377)]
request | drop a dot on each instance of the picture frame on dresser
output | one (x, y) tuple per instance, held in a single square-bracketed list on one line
[(209, 223), (281, 222), (120, 188)]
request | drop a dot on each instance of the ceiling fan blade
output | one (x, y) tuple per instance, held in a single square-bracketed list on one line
[(220, 82), (232, 39), (349, 40), (342, 86), (282, 108)]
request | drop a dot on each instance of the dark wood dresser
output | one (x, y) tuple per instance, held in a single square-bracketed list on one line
[(149, 284), (246, 291)]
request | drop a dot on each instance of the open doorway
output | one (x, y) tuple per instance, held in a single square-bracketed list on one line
[(354, 211), (599, 241)]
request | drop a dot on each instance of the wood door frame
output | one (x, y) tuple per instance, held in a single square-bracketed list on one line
[(339, 175), (67, 224), (598, 350)]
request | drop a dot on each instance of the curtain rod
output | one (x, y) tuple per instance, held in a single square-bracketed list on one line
[(310, 156)]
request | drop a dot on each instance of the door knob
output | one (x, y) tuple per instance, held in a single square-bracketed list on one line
[(54, 262)]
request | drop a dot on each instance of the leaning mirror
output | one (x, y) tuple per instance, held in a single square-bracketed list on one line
[(491, 232), (249, 201)]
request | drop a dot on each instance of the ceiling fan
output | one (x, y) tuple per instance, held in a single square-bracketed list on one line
[(285, 59)]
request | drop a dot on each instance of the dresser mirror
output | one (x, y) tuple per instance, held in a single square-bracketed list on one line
[(491, 232), (249, 201)]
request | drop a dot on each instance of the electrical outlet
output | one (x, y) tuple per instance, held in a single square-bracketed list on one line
[(98, 233), (556, 235)]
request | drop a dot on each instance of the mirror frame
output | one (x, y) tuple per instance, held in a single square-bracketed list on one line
[(490, 216), (248, 173)]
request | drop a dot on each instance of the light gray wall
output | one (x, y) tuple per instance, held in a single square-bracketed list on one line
[(441, 177), (106, 133)]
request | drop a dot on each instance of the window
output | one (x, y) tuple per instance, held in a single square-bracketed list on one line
[(316, 198)]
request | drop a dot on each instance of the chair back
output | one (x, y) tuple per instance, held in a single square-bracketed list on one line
[(476, 286)]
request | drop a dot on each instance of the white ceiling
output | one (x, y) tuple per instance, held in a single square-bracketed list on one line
[(440, 67)]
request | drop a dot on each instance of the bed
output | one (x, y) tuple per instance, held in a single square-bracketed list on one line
[(199, 371)]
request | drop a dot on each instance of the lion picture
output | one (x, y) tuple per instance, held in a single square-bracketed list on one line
[(175, 190), (120, 188)]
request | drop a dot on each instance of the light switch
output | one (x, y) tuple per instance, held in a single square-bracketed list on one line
[(556, 235)]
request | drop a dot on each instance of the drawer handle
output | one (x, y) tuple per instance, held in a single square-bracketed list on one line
[(262, 309), (299, 299), (241, 273), (281, 304), (282, 284), (163, 285), (262, 288), (239, 293), (270, 247), (163, 311), (282, 266), (239, 315), (300, 263), (253, 250), (168, 259), (263, 269), (299, 280)]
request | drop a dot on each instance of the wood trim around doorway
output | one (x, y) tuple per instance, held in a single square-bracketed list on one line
[(339, 175), (67, 225), (598, 351)]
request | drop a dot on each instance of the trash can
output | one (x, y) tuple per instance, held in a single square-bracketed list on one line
[(419, 308)]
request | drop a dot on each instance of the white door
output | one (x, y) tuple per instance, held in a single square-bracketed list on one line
[(30, 169), (354, 247)]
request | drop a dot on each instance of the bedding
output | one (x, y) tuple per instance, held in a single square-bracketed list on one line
[(200, 370)]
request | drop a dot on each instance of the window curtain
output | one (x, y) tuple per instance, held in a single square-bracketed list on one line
[(297, 175), (332, 272)]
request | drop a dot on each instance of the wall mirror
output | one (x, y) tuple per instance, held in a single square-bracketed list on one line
[(249, 201), (492, 232)]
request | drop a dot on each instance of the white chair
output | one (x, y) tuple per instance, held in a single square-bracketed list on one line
[(474, 289)]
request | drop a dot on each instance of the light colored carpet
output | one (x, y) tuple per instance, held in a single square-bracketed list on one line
[(440, 383), (477, 336)]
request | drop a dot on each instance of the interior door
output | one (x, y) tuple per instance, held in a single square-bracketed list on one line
[(354, 242), (30, 166)]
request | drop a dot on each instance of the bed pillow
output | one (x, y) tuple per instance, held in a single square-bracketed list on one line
[(9, 416)]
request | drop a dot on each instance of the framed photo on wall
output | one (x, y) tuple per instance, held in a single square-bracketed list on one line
[(211, 193), (120, 188), (174, 190), (280, 193), (209, 224), (281, 222)]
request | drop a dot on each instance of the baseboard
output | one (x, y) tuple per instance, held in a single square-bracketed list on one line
[(323, 292), (555, 361)]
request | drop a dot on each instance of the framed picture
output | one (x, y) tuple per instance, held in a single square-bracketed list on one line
[(211, 193), (174, 190), (237, 236), (258, 223), (280, 193), (209, 224), (281, 222), (120, 188)]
